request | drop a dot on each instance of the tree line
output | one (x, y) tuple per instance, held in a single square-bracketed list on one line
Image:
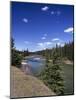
[(16, 55), (51, 75), (67, 51)]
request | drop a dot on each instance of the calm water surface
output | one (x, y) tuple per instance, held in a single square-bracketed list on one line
[(36, 63)]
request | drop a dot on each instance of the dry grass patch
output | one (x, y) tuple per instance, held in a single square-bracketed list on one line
[(26, 85)]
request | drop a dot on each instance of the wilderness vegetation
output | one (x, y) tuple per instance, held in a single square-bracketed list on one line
[(51, 74), (17, 55)]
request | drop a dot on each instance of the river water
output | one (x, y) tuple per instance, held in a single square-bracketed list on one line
[(37, 64)]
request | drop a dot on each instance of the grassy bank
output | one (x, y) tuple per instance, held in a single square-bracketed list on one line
[(68, 78)]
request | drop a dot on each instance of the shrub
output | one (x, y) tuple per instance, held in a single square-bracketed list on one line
[(51, 76), (16, 58)]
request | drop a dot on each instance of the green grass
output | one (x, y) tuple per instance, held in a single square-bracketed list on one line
[(68, 78)]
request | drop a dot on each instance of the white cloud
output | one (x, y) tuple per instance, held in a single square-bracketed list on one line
[(44, 44), (45, 34), (55, 12), (45, 8), (55, 39), (52, 12), (26, 42), (25, 20), (47, 43), (68, 30), (60, 44), (40, 44), (43, 38)]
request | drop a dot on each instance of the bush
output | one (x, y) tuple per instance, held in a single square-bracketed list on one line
[(16, 58), (51, 76)]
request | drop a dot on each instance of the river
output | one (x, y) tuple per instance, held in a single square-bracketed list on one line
[(37, 63)]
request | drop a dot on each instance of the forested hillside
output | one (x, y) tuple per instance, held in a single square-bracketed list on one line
[(65, 51)]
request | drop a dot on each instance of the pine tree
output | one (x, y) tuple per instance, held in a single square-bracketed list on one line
[(51, 75), (24, 53), (27, 52), (12, 43), (57, 83), (15, 56)]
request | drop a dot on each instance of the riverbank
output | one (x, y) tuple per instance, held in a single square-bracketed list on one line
[(26, 85)]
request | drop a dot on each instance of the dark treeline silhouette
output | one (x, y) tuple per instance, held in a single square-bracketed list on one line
[(16, 55), (66, 51), (51, 74)]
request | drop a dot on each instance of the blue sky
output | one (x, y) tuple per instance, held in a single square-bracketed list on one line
[(39, 26)]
